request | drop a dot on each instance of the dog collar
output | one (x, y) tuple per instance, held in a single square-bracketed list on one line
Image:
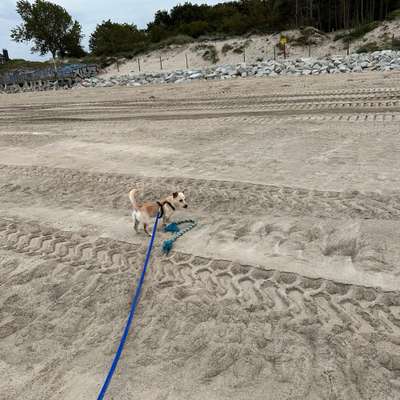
[(162, 206), (167, 202)]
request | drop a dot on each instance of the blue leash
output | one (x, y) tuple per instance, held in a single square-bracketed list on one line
[(131, 315)]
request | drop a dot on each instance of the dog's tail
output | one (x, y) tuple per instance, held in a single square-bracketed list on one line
[(132, 198)]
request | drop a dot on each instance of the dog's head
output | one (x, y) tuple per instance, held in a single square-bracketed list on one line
[(179, 200)]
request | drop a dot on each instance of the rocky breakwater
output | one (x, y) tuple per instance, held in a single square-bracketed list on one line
[(378, 61)]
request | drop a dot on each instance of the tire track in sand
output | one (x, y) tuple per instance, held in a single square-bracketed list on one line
[(190, 278), (68, 186)]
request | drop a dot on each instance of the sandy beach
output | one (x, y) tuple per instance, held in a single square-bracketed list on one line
[(288, 288)]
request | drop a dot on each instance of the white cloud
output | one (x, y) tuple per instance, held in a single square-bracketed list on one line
[(89, 13)]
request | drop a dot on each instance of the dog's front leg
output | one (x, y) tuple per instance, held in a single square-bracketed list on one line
[(167, 218)]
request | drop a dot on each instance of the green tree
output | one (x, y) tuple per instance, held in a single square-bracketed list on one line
[(50, 28), (156, 33), (72, 47), (242, 16), (112, 38), (194, 29)]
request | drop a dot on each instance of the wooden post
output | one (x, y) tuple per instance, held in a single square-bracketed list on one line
[(348, 47), (274, 52), (160, 62), (284, 51), (244, 54), (187, 63), (138, 61), (309, 50)]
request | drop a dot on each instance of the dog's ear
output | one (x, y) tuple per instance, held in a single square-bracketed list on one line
[(175, 195)]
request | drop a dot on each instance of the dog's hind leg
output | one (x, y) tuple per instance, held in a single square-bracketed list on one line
[(135, 222), (136, 226), (145, 229)]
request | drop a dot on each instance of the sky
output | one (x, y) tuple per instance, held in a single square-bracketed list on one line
[(89, 13)]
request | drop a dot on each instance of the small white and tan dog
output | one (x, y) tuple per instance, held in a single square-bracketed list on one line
[(144, 213)]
